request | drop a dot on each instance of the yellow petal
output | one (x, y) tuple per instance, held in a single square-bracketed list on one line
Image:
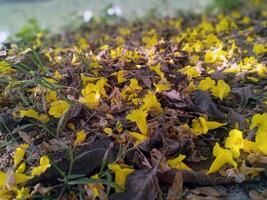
[(134, 85), (121, 76), (21, 178), (50, 80), (157, 69), (190, 71), (33, 114), (58, 108), (202, 126), (223, 156), (138, 137), (199, 125), (221, 90), (80, 138), (21, 168), (151, 103), (261, 139), (259, 48), (57, 75), (139, 117), (162, 87), (2, 179), (259, 121), (44, 164), (5, 68), (108, 131), (71, 126), (19, 153), (23, 193), (234, 142), (213, 125), (178, 164), (206, 84), (91, 100), (51, 96), (249, 146), (120, 174)]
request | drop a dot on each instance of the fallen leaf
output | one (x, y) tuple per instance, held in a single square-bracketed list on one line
[(140, 185), (205, 104)]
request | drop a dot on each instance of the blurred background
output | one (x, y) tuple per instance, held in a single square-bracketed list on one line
[(54, 15)]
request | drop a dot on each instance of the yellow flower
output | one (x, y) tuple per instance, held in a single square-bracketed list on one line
[(83, 43), (206, 84), (261, 139), (134, 85), (95, 187), (121, 76), (21, 168), (162, 87), (259, 121), (130, 91), (80, 138), (212, 41), (33, 114), (191, 87), (202, 126), (260, 69), (139, 138), (86, 79), (120, 174), (19, 178), (23, 193), (259, 48), (57, 75), (178, 164), (19, 153), (95, 88), (119, 126), (50, 80), (108, 131), (139, 117), (58, 108), (253, 79), (91, 100), (221, 90), (245, 20), (2, 178), (71, 126), (5, 68), (234, 142), (51, 96), (190, 72), (215, 56), (223, 156), (44, 164), (249, 146), (5, 194), (223, 25), (92, 92), (150, 41), (151, 103), (157, 69)]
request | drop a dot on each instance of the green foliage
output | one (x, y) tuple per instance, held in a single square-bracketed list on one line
[(225, 5), (29, 32)]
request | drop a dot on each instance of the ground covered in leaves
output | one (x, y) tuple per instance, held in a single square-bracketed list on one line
[(160, 109)]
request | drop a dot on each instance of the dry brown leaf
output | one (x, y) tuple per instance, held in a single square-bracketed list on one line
[(254, 195)]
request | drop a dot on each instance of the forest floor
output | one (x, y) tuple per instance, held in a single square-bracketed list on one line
[(154, 109)]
